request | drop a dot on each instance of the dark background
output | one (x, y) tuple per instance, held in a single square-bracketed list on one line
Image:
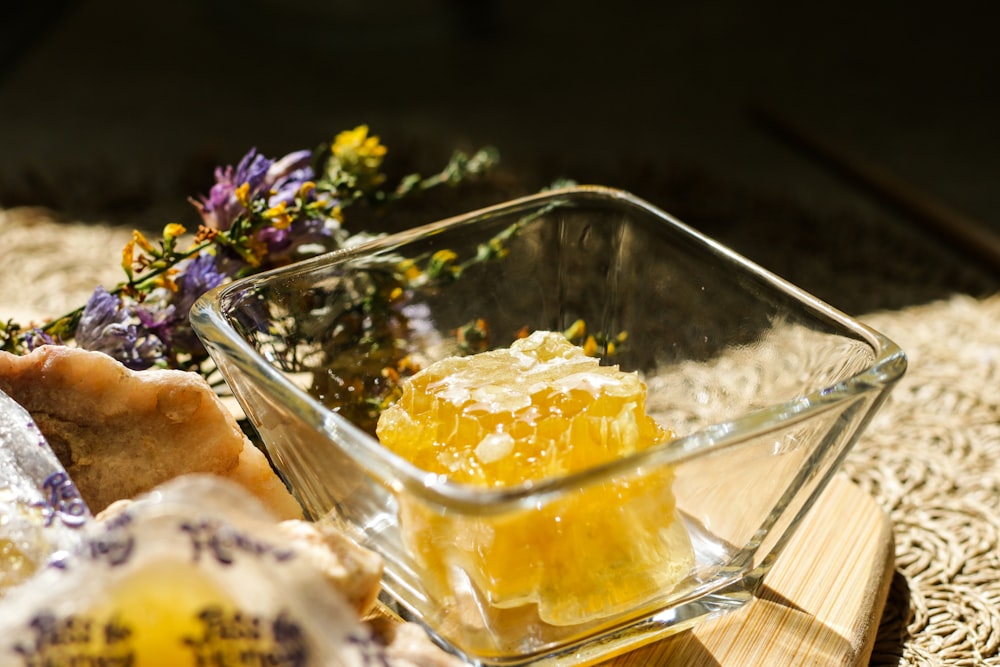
[(114, 110)]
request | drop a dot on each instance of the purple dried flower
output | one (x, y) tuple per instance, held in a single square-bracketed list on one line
[(221, 207), (287, 175), (196, 277), (107, 325), (283, 178), (278, 239), (167, 318), (289, 233), (300, 239), (158, 320), (36, 337)]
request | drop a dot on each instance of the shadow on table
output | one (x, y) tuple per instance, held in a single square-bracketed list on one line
[(890, 640)]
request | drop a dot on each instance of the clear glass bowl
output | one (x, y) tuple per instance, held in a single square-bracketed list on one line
[(764, 386)]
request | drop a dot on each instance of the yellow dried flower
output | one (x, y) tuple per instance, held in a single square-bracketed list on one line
[(141, 241), (279, 216), (128, 258), (255, 251), (166, 280), (242, 194), (360, 155), (306, 188), (576, 330), (409, 270), (172, 231)]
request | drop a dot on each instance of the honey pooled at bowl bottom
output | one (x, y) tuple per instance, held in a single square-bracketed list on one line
[(538, 410)]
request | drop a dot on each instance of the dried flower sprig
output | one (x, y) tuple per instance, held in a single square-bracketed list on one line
[(260, 214), (376, 326)]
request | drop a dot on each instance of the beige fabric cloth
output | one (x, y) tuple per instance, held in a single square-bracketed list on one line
[(931, 457), (48, 268)]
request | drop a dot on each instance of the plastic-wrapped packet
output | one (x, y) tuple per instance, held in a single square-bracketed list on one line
[(41, 511), (194, 573)]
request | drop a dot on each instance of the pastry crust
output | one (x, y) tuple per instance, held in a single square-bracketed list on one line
[(120, 433), (354, 571)]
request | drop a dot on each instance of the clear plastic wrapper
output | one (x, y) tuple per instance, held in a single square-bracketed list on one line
[(193, 573), (41, 511)]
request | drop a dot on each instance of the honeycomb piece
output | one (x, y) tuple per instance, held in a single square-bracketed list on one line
[(540, 409)]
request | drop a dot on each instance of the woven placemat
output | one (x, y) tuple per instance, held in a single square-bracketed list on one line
[(931, 457)]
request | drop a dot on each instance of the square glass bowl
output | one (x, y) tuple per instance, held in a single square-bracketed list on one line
[(764, 387)]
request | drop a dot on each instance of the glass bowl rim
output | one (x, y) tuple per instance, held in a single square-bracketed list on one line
[(209, 322)]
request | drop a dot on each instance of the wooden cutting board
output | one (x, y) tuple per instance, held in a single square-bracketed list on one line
[(821, 602)]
